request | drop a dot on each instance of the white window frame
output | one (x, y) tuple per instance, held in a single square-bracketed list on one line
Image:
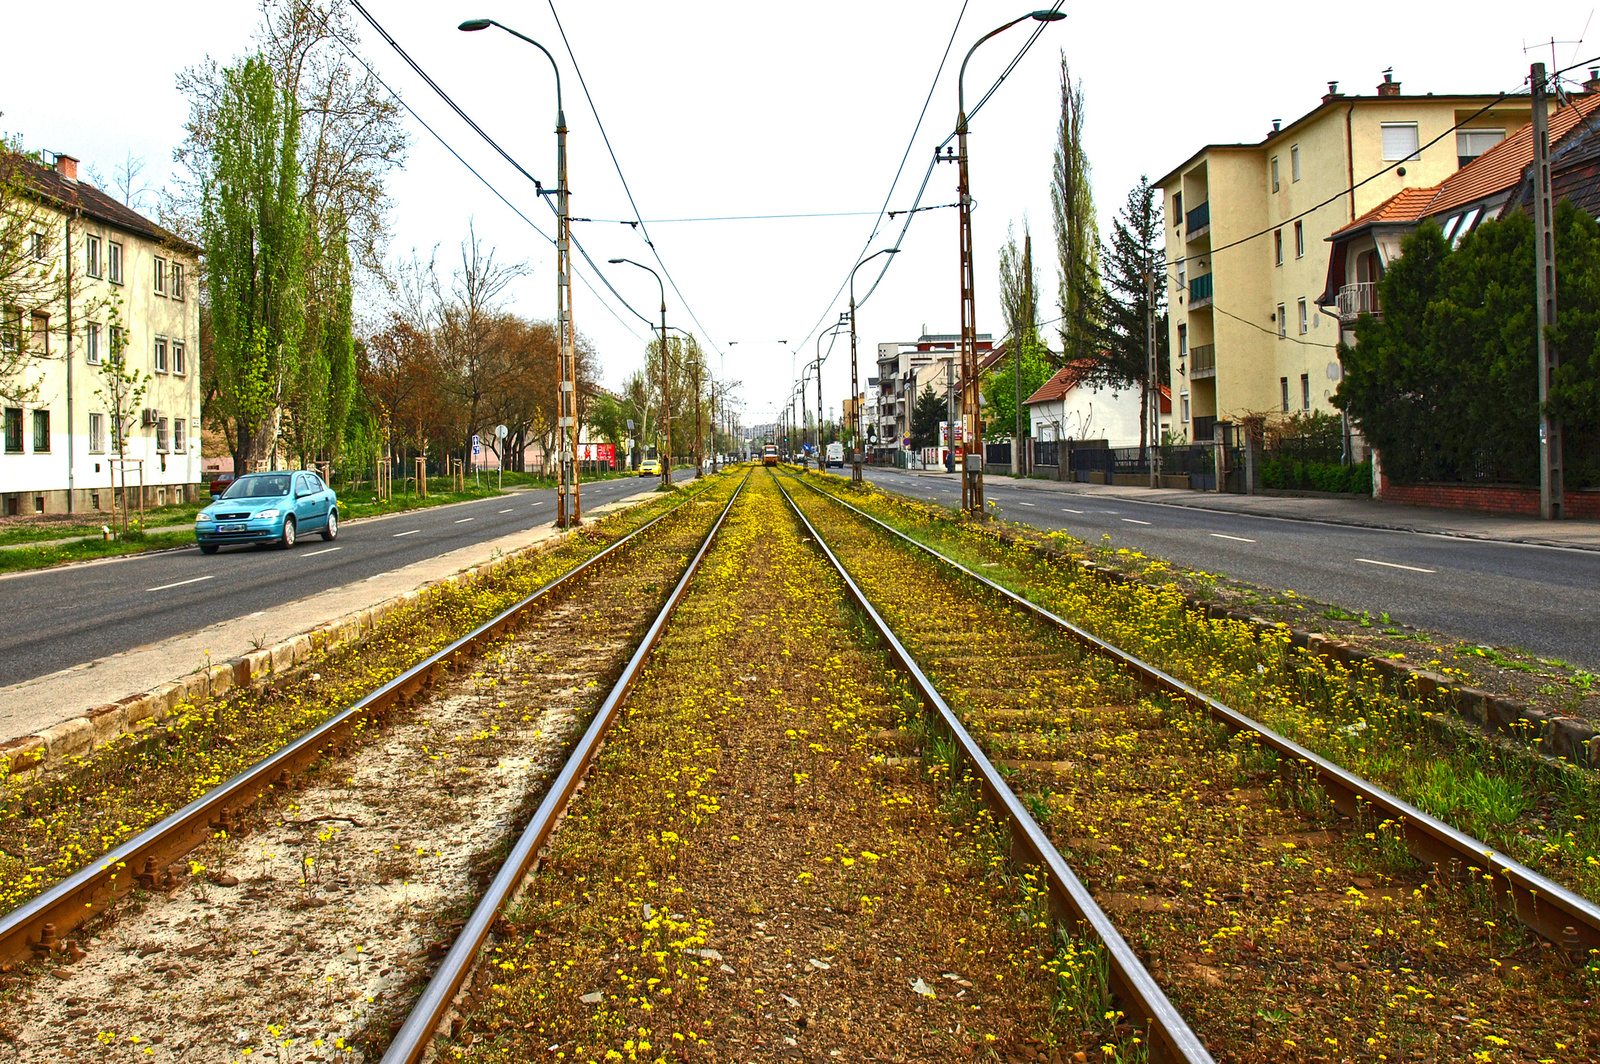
[(1389, 154), (1305, 320), (160, 276), (161, 435), (1294, 162), (1299, 240), (91, 343), (159, 357), (180, 442), (114, 263), (179, 367), (1184, 396), (38, 245), (1283, 321), (1275, 182), (1277, 247), (177, 280), (97, 433), (92, 264), (1305, 391)]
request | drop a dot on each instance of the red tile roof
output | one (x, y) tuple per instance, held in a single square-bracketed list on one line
[(1502, 165), (52, 187), (1063, 381), (1407, 205)]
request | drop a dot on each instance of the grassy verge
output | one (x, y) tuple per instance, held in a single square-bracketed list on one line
[(17, 559), (1544, 814)]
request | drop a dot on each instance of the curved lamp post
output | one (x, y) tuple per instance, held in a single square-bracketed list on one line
[(567, 497), (972, 479), (855, 394), (666, 376), (830, 331)]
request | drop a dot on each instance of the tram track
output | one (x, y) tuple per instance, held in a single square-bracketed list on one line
[(347, 854), (1248, 895)]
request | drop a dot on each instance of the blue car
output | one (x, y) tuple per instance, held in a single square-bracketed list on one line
[(265, 508)]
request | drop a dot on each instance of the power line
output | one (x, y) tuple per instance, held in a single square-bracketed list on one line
[(732, 218)]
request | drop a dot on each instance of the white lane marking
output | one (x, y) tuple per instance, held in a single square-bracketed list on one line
[(180, 583), (1070, 510), (324, 550), (1135, 521), (1241, 539), (258, 613), (413, 532), (508, 511), (1027, 504), (463, 521), (1397, 565)]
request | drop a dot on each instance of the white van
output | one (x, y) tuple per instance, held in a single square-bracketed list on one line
[(836, 454)]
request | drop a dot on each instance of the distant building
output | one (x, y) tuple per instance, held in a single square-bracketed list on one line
[(59, 448), (1246, 225), (904, 369), (1065, 408)]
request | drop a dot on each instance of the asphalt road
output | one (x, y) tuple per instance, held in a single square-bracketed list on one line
[(1540, 599), (57, 618)]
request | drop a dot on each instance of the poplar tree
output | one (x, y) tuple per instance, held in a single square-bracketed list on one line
[(1026, 365), (1076, 232), (253, 229)]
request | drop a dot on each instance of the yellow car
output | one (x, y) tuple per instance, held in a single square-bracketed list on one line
[(650, 467)]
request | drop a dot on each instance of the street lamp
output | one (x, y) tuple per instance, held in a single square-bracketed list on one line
[(829, 332), (855, 395), (666, 376), (972, 480), (568, 510)]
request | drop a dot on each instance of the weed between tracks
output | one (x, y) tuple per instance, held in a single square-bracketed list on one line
[(758, 868), (1281, 931)]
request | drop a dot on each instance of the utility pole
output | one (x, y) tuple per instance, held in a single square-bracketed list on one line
[(567, 508), (699, 437), (1551, 501), (950, 412)]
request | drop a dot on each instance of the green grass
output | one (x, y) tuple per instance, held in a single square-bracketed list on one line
[(22, 558)]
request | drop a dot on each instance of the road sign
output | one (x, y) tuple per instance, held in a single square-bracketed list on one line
[(501, 431), (477, 446)]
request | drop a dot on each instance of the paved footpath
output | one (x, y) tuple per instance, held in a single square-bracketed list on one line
[(35, 704)]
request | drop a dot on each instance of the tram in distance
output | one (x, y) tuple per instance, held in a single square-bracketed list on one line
[(769, 455)]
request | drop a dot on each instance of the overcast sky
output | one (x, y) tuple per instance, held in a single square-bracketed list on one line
[(719, 109)]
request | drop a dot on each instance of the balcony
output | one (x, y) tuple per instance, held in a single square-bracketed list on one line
[(1358, 299), (1202, 362), (1197, 223), (1200, 292)]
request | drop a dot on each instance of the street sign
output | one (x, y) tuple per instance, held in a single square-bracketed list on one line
[(501, 431), (477, 446)]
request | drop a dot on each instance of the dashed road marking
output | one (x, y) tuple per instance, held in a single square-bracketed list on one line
[(1027, 504), (181, 583), (1397, 565), (324, 550), (1241, 539), (463, 521), (1070, 510), (1135, 521), (413, 532)]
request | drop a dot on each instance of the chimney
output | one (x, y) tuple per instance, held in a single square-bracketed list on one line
[(1593, 84), (67, 167), (1389, 86), (1333, 92), (1277, 127)]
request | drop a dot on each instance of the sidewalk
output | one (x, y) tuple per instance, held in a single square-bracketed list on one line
[(32, 706), (1359, 511)]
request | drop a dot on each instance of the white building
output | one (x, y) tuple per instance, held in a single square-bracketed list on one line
[(1064, 408), (125, 280)]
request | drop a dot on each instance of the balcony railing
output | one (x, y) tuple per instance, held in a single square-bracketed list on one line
[(1202, 361), (1358, 299), (1197, 221), (1200, 291)]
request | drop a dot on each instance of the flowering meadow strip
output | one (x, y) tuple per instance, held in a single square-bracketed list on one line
[(1280, 930), (86, 806), (1546, 815), (757, 866)]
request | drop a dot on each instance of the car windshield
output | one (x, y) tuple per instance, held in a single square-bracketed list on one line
[(259, 487)]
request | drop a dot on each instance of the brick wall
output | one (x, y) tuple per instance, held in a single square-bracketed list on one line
[(1492, 498)]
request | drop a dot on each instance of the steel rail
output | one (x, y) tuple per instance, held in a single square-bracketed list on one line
[(1143, 1000), (75, 899), (411, 1041), (1545, 906)]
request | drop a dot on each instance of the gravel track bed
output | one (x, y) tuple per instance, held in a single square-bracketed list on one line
[(1281, 930), (303, 933)]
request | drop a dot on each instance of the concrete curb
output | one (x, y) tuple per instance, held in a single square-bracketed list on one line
[(135, 713)]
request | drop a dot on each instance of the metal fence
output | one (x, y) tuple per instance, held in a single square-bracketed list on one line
[(997, 453)]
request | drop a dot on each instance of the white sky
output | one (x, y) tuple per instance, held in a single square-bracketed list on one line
[(736, 108)]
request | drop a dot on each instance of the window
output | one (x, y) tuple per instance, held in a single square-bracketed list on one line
[(161, 355), (41, 332), (1471, 143), (41, 432), (161, 434), (1305, 391), (118, 336), (97, 434), (177, 280), (1283, 386), (1274, 173), (91, 255), (10, 329), (1294, 163), (1183, 344), (13, 430), (1400, 141), (1277, 247), (114, 261), (91, 344), (178, 442), (1305, 322), (1465, 227), (177, 358), (1283, 322), (1177, 209), (1183, 275), (1185, 397), (39, 244), (1299, 240), (161, 276)]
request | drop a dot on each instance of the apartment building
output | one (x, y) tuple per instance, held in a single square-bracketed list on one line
[(124, 281), (904, 368), (1247, 221)]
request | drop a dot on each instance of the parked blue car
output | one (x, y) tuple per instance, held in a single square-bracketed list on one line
[(269, 508)]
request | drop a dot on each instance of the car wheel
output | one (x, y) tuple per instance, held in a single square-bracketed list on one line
[(208, 548), (288, 533), (331, 532)]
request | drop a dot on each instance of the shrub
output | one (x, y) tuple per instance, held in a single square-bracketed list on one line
[(1293, 474)]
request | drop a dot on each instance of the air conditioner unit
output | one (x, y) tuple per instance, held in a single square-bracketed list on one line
[(150, 416)]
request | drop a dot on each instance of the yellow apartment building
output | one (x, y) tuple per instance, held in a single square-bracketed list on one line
[(1245, 245)]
